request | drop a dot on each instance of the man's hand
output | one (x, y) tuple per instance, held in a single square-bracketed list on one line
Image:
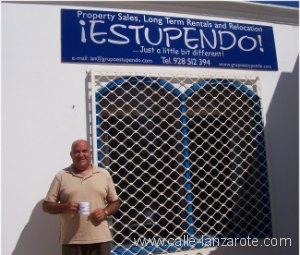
[(72, 207), (98, 215)]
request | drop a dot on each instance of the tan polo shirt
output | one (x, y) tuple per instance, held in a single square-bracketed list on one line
[(98, 189)]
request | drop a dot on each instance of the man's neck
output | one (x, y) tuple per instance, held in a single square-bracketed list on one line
[(83, 172)]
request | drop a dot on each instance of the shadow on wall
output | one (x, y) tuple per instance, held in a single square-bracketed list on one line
[(40, 235), (282, 136)]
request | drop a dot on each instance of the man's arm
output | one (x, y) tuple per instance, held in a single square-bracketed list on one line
[(112, 207), (58, 208)]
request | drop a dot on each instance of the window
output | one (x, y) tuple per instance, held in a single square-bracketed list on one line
[(187, 155)]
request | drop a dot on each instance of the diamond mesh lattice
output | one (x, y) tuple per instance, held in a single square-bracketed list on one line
[(187, 155)]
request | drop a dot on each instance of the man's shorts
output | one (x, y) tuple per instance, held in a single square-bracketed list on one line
[(87, 249)]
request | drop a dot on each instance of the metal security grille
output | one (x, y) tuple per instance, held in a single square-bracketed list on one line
[(187, 155)]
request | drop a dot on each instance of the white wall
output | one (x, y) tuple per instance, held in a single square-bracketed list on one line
[(44, 110)]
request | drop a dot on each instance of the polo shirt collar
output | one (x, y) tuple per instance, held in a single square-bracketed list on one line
[(73, 172)]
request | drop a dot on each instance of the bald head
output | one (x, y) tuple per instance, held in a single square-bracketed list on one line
[(81, 154), (79, 141)]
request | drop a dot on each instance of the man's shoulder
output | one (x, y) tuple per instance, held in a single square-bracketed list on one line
[(101, 170), (64, 172)]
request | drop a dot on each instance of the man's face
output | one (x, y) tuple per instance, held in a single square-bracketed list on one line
[(81, 155)]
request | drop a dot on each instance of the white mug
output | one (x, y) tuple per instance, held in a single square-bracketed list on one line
[(84, 208)]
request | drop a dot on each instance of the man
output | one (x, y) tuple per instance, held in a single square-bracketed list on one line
[(83, 182)]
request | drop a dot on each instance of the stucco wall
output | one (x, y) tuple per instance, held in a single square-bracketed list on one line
[(44, 105)]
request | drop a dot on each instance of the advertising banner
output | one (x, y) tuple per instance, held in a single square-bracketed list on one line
[(89, 36)]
